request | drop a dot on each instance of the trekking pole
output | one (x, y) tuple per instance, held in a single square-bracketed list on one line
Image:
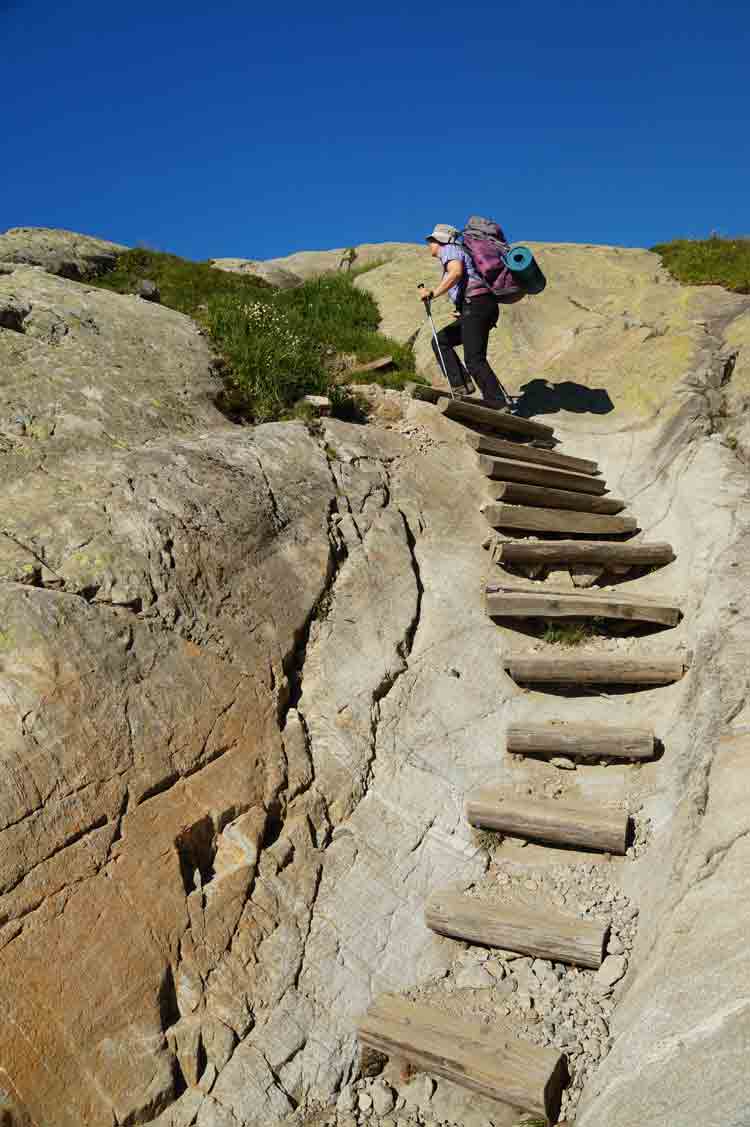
[(438, 349)]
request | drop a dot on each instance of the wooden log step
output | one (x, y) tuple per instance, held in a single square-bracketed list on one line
[(585, 551), (546, 602), (427, 393), (514, 493), (517, 451), (473, 1052), (586, 741), (595, 670), (474, 414), (579, 824), (539, 932), (506, 469), (528, 519)]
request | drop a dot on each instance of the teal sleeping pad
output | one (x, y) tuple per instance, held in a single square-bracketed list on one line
[(525, 268)]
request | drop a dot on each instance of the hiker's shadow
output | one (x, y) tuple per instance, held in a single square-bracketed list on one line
[(540, 397)]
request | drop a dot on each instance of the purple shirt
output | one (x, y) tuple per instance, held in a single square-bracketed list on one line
[(471, 282)]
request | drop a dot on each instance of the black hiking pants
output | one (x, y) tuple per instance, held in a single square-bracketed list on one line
[(472, 329)]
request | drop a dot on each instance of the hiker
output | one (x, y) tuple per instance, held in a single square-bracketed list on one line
[(477, 309), (348, 257)]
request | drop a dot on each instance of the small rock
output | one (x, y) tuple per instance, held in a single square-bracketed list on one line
[(479, 954), (346, 1100), (320, 403), (560, 577), (615, 946), (419, 1091), (383, 1099), (148, 290), (610, 972), (592, 1048), (563, 763), (506, 987), (474, 977), (585, 575)]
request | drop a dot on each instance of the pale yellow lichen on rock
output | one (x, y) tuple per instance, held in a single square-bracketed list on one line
[(611, 318)]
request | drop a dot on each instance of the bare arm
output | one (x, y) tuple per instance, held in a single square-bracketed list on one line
[(454, 272)]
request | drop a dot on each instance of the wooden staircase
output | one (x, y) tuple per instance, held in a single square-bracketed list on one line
[(533, 488)]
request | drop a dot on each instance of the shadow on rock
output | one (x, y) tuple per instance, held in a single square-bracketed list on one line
[(539, 397)]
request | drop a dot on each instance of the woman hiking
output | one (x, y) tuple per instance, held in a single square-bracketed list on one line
[(478, 313)]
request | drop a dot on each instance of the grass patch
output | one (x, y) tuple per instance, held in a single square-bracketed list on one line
[(275, 345), (568, 633), (184, 285), (715, 261), (488, 840)]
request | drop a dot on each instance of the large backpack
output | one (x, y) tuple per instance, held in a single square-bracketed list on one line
[(485, 242)]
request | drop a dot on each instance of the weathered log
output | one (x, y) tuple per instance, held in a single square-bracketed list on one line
[(561, 822), (515, 493), (595, 670), (373, 366), (464, 411), (554, 520), (474, 1052), (585, 551), (545, 602), (519, 452), (506, 469), (538, 932), (427, 393), (587, 741)]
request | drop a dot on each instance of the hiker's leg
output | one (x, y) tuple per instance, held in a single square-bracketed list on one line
[(448, 338), (480, 315)]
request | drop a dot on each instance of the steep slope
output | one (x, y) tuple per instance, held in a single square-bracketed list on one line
[(247, 681)]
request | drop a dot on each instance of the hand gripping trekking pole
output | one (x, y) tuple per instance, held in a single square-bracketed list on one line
[(438, 349)]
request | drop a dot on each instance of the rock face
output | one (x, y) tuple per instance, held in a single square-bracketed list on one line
[(60, 252), (276, 275), (612, 331), (246, 681), (308, 263)]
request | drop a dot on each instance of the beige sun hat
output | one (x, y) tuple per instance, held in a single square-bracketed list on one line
[(443, 233)]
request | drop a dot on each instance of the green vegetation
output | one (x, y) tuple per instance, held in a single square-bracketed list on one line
[(714, 261), (275, 346), (567, 633), (487, 840), (184, 285)]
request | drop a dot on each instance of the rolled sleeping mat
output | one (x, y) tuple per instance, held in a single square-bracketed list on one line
[(525, 269)]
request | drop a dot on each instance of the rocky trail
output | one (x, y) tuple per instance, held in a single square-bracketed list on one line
[(274, 698), (536, 935)]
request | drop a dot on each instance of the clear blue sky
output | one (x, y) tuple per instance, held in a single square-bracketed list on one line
[(256, 129)]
